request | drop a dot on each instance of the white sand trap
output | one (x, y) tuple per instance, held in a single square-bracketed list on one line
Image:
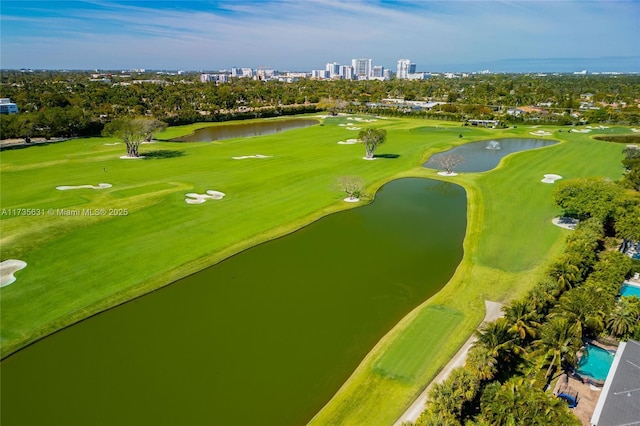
[(8, 268), (194, 198), (351, 200), (540, 133), (565, 222), (353, 128), (111, 144), (551, 178), (581, 130), (369, 158), (635, 130), (343, 125), (99, 186), (447, 174), (244, 157), (126, 157), (348, 142)]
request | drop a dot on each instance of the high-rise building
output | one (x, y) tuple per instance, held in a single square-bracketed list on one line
[(361, 68), (377, 71), (333, 68), (346, 72), (405, 67)]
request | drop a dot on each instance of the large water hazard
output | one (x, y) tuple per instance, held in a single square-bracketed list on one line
[(263, 338), (243, 130)]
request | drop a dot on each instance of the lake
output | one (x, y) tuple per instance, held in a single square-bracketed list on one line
[(485, 155), (243, 130), (265, 337)]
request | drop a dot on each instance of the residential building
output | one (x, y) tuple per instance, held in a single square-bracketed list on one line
[(241, 72), (214, 78), (346, 72), (8, 107), (619, 402), (333, 68), (405, 67), (361, 68)]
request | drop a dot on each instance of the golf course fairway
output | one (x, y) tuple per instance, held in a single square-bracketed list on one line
[(89, 249)]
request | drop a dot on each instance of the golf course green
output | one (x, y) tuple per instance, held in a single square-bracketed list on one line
[(92, 249)]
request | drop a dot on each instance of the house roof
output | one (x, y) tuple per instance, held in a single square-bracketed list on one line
[(619, 403)]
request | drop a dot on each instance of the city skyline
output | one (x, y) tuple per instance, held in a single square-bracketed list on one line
[(542, 36)]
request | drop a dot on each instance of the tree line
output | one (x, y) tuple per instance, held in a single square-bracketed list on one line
[(516, 358), (67, 104)]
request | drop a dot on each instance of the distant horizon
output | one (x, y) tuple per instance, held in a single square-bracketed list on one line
[(457, 36), (623, 65)]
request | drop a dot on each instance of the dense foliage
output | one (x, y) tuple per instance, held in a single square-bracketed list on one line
[(65, 104)]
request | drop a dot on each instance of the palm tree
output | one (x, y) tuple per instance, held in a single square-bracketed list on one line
[(565, 273), (624, 318), (482, 362), (585, 306), (517, 402), (522, 318), (560, 339)]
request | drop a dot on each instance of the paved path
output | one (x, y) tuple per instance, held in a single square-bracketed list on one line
[(494, 311)]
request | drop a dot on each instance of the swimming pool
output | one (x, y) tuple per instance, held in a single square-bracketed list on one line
[(595, 362), (629, 290)]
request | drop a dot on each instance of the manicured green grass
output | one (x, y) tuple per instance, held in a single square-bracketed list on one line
[(79, 265)]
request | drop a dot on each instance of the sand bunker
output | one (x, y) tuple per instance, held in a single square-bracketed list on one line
[(447, 174), (348, 142), (194, 198), (8, 268), (580, 130), (565, 222), (540, 133), (635, 130), (243, 157), (126, 157), (551, 178), (111, 144), (351, 200), (99, 186), (353, 128), (362, 120)]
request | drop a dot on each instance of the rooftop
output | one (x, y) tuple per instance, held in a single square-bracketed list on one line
[(619, 403)]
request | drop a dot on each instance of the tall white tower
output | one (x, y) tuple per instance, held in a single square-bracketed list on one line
[(361, 68), (405, 67)]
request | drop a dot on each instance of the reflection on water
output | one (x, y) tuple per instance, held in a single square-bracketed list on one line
[(482, 156), (229, 131)]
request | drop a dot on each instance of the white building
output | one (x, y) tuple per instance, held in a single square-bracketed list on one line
[(405, 67), (241, 72), (214, 78), (333, 68), (8, 107), (361, 68), (346, 72)]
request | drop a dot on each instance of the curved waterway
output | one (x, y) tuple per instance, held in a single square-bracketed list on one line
[(264, 338), (485, 155), (243, 130)]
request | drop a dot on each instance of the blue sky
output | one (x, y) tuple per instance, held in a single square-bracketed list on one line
[(543, 35)]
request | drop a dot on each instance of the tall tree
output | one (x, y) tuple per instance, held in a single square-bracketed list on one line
[(133, 131), (559, 340), (372, 138)]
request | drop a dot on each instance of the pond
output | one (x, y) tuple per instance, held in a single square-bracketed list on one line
[(229, 131), (485, 155), (266, 337)]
